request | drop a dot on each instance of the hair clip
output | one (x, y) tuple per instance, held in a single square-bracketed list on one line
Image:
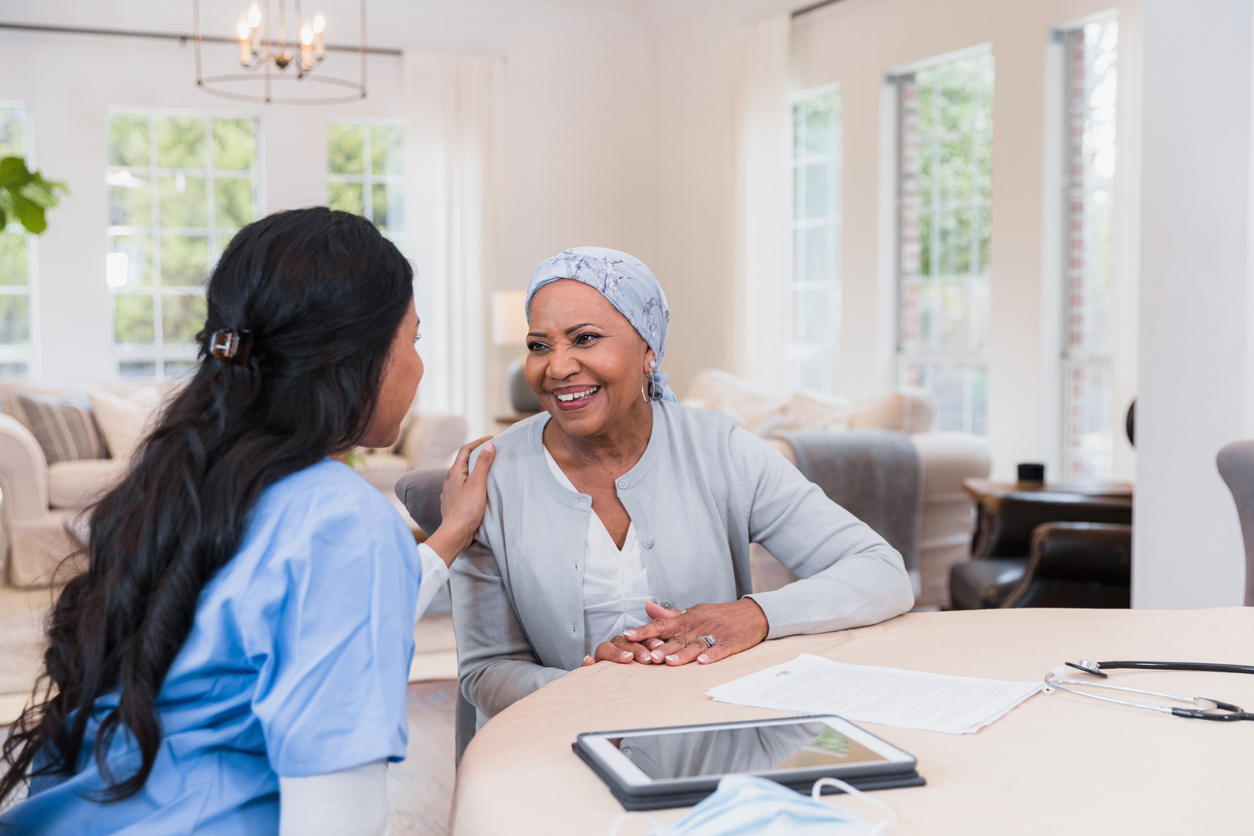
[(231, 346)]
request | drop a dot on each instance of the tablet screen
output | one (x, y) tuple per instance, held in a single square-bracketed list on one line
[(802, 745)]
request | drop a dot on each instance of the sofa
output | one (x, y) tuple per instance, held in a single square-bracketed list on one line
[(42, 504), (946, 525)]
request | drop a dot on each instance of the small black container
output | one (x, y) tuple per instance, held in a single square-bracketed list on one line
[(1032, 473)]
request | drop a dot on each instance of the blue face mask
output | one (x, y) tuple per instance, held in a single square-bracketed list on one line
[(745, 805)]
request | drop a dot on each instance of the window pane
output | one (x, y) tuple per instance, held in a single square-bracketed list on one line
[(180, 368), (138, 252), (816, 254), (234, 144), (9, 371), (1088, 422), (234, 202), (956, 159), (12, 133), (346, 150), (816, 191), (131, 204), (132, 319), (386, 143), (13, 268), (15, 319), (184, 259), (346, 197), (821, 123), (815, 284), (129, 140), (182, 317), (183, 201), (137, 368), (983, 167), (955, 243), (180, 142), (387, 207), (925, 245), (945, 176)]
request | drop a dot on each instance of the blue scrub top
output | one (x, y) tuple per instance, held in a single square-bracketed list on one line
[(297, 665)]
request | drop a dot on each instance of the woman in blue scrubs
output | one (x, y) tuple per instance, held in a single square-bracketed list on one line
[(234, 658)]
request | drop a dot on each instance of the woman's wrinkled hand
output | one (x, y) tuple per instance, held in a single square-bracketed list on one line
[(462, 501), (673, 637)]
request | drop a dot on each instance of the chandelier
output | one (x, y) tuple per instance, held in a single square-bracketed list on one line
[(280, 57)]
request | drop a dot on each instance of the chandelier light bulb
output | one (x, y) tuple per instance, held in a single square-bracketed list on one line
[(245, 43), (319, 24), (306, 48), (254, 16)]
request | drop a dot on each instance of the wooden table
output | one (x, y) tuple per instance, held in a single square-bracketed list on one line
[(1057, 764), (978, 489)]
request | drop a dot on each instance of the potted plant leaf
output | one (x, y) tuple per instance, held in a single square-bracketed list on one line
[(25, 195)]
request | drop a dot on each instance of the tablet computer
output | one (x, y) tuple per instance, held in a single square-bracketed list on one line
[(649, 769)]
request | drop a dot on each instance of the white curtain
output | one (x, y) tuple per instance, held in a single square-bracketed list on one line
[(760, 134), (454, 106)]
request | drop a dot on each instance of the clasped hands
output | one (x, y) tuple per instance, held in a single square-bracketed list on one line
[(673, 636)]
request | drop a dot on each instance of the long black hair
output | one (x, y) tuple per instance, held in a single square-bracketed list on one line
[(322, 295)]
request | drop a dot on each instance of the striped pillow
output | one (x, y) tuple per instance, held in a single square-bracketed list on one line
[(64, 427)]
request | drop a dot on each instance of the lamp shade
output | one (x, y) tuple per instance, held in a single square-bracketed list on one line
[(509, 319)]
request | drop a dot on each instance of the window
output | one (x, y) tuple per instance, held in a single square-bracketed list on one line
[(1088, 176), (179, 187), (945, 145), (17, 258), (814, 350), (365, 176)]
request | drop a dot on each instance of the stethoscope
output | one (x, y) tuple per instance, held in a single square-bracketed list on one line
[(1204, 708)]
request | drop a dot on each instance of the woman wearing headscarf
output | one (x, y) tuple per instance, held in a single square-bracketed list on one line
[(618, 521)]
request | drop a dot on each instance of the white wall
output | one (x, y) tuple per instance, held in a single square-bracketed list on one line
[(1197, 319), (575, 131)]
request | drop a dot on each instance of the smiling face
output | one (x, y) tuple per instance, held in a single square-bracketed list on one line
[(585, 362)]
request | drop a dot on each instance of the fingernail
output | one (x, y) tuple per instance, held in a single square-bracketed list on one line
[(656, 643), (489, 448), (587, 658), (625, 655), (703, 658), (674, 657), (657, 654), (630, 634)]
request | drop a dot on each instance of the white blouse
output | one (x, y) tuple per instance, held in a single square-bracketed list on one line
[(615, 582)]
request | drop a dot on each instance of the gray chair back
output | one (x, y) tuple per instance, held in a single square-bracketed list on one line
[(420, 491), (1236, 466)]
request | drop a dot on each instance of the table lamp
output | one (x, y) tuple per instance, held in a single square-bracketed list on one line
[(509, 328)]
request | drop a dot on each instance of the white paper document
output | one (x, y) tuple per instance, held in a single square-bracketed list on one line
[(909, 699)]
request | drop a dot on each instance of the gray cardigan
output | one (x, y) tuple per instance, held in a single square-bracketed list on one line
[(701, 493)]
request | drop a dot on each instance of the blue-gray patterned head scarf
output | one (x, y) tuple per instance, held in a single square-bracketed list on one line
[(630, 287)]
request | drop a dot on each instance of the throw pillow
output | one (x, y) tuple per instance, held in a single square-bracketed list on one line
[(63, 427), (124, 421)]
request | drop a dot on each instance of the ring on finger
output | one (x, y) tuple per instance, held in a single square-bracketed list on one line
[(708, 641), (682, 611)]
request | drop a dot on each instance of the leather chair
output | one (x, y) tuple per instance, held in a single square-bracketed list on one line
[(420, 491), (1236, 466), (1048, 549)]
